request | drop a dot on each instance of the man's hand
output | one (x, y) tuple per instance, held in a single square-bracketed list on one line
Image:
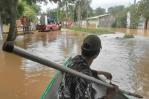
[(111, 92), (107, 75)]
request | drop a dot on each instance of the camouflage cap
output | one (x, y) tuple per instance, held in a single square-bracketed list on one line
[(91, 45)]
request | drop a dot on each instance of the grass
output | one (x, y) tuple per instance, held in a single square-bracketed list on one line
[(128, 36), (89, 30)]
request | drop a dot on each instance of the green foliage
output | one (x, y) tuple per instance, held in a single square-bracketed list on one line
[(69, 9), (120, 22), (52, 12), (82, 6), (4, 11), (116, 10), (119, 12), (36, 8), (25, 8), (143, 8), (128, 36), (20, 8), (65, 10), (90, 12), (8, 9), (99, 11), (134, 16), (62, 15)]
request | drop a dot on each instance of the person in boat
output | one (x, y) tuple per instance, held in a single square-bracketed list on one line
[(74, 87)]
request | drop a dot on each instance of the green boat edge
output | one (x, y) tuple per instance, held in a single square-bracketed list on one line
[(48, 88)]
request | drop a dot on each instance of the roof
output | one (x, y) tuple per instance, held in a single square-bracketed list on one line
[(99, 16)]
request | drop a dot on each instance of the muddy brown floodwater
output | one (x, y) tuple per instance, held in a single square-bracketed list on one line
[(126, 59)]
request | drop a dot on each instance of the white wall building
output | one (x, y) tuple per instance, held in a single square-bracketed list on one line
[(104, 20)]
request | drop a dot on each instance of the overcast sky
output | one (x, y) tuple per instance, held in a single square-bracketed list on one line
[(108, 3), (96, 3)]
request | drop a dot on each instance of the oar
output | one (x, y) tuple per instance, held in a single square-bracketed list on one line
[(9, 47), (125, 92)]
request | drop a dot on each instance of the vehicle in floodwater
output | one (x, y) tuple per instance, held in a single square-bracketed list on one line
[(48, 23)]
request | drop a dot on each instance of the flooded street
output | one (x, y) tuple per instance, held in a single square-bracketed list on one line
[(126, 59), (140, 32)]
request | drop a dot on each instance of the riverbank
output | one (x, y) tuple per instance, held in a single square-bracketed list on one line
[(94, 31)]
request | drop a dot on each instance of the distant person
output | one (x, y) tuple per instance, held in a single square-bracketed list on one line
[(60, 25), (74, 87)]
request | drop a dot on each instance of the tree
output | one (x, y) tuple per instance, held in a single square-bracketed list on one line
[(66, 6), (10, 7), (115, 10), (119, 12), (120, 16), (75, 9), (31, 11), (52, 12), (143, 9), (99, 11), (82, 7), (134, 19), (12, 11), (90, 11)]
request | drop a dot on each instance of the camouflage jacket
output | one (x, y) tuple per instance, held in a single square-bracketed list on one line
[(75, 87)]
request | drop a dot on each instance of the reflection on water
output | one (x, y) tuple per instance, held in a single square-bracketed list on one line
[(126, 59), (24, 79)]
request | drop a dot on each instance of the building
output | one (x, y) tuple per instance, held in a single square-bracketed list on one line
[(105, 20)]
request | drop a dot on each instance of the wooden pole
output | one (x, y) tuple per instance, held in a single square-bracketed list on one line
[(134, 2), (1, 28)]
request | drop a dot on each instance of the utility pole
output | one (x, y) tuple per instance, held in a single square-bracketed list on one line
[(66, 13), (135, 2), (1, 28), (87, 17), (79, 13), (58, 9)]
